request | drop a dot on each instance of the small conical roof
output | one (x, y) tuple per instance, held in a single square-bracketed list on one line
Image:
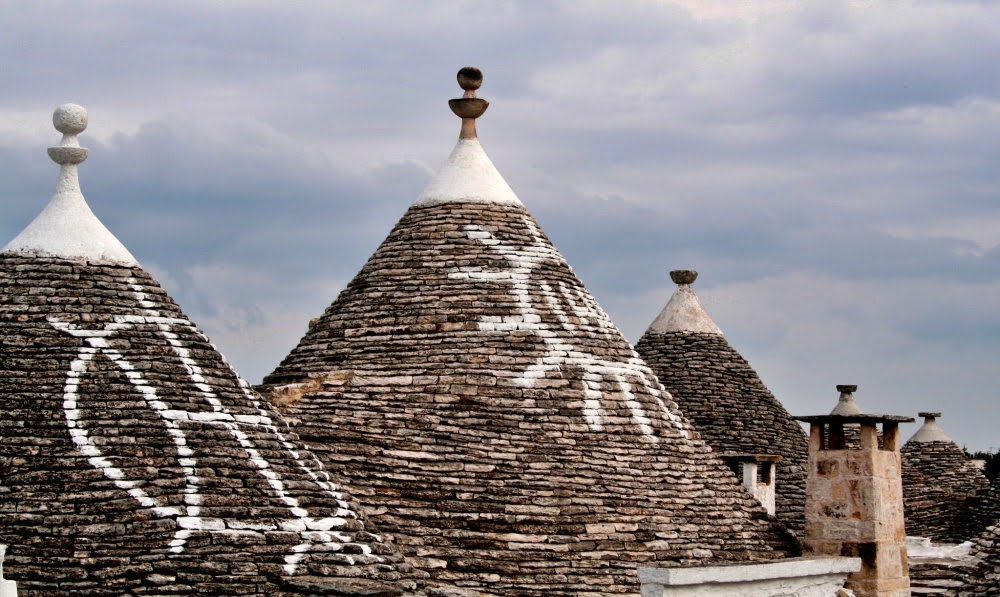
[(134, 459), (684, 312), (722, 395), (930, 431), (942, 488), (468, 382)]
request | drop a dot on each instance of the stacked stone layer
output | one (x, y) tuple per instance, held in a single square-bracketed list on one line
[(134, 461), (985, 579), (468, 383), (942, 492), (728, 404)]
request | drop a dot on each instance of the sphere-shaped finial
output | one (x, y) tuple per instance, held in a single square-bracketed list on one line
[(683, 276), (70, 119), (470, 78)]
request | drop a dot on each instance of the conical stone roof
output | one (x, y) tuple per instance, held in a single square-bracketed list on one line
[(133, 459), (722, 395), (468, 382), (942, 489)]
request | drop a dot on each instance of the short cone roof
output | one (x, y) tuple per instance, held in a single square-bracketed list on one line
[(942, 488), (723, 397), (134, 460), (468, 382)]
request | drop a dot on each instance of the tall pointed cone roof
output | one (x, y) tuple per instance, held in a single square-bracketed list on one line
[(133, 459), (942, 488), (468, 382), (722, 395)]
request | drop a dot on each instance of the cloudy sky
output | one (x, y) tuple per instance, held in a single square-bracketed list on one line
[(831, 168)]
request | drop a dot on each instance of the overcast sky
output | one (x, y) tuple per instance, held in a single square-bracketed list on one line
[(830, 168)]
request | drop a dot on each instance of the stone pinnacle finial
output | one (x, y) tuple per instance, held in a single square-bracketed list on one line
[(683, 276), (930, 431), (846, 405), (70, 120), (469, 107)]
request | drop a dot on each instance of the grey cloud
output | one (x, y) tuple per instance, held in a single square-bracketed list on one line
[(279, 144)]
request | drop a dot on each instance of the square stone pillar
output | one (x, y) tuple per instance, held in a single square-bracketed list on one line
[(854, 500), (758, 474)]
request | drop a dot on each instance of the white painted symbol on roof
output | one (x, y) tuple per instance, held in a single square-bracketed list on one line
[(573, 309), (316, 533)]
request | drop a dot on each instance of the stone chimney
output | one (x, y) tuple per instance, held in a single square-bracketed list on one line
[(757, 472), (854, 496), (8, 588)]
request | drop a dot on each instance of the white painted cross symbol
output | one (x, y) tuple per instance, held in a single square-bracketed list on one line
[(317, 533)]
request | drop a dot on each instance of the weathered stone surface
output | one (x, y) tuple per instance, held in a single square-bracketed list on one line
[(854, 503), (134, 461), (467, 385), (728, 404), (985, 578), (942, 491)]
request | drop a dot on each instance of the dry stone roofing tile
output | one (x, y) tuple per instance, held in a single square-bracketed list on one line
[(467, 383), (723, 397), (985, 579), (942, 489), (134, 461)]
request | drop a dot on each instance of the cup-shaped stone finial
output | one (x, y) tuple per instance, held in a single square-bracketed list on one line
[(683, 276), (847, 389), (469, 107)]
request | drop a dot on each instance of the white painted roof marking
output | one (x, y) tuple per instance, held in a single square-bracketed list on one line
[(468, 176)]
